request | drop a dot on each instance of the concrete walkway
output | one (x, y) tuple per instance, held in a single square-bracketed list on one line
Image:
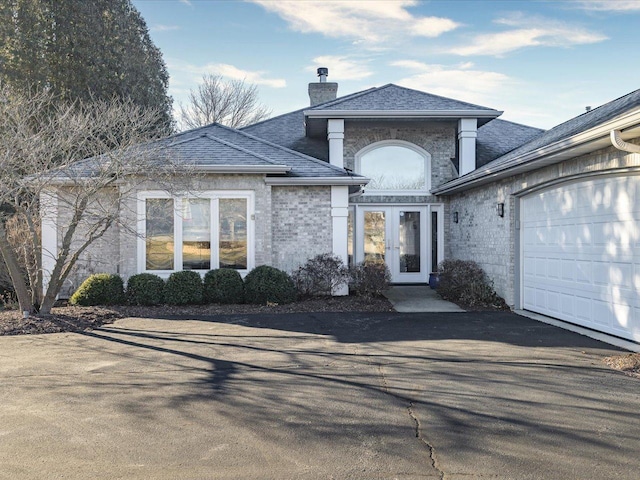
[(417, 299)]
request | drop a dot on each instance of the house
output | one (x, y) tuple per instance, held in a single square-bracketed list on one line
[(409, 178)]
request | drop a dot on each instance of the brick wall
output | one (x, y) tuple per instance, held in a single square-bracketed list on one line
[(302, 225), (483, 236), (437, 138)]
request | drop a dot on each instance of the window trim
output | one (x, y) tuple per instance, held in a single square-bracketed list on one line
[(213, 196), (397, 143)]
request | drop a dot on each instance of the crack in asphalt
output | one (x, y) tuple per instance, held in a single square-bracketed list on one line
[(432, 452)]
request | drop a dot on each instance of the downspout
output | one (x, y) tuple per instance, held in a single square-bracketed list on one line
[(616, 141)]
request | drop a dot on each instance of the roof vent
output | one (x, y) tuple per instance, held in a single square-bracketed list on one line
[(588, 108), (323, 73)]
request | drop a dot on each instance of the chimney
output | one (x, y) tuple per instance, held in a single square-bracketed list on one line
[(322, 91)]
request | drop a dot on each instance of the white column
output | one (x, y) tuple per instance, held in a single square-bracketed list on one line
[(339, 214), (49, 233), (335, 135), (467, 134)]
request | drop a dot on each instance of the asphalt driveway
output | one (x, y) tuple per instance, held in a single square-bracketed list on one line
[(317, 396)]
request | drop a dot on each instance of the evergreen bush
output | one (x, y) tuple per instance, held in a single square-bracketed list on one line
[(224, 285), (144, 289), (183, 288), (266, 284), (99, 289)]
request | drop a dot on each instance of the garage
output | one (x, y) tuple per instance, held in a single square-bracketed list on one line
[(580, 254)]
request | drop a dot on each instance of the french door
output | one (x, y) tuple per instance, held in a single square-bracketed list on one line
[(406, 238)]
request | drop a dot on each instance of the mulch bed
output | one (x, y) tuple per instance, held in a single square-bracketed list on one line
[(78, 319)]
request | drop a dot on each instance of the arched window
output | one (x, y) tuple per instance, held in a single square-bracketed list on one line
[(395, 166)]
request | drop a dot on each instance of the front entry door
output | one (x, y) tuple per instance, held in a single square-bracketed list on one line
[(397, 236)]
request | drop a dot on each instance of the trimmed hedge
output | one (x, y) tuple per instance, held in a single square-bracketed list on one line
[(99, 289), (183, 288), (266, 284), (223, 285), (144, 289)]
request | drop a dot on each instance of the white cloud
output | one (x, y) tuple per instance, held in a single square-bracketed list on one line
[(528, 32), (194, 73), (462, 81), (369, 23), (341, 67), (164, 28), (186, 2), (610, 5)]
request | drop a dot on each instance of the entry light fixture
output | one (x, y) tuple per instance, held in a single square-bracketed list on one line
[(500, 209), (455, 217)]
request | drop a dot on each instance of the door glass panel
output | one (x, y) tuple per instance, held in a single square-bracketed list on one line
[(233, 233), (196, 234), (374, 236), (434, 241), (159, 233), (409, 238)]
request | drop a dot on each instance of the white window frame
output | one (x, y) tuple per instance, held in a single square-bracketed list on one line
[(397, 143), (178, 200)]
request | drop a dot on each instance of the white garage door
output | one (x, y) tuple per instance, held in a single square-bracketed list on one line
[(581, 254)]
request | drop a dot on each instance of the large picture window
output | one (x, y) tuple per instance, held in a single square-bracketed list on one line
[(395, 167), (212, 230)]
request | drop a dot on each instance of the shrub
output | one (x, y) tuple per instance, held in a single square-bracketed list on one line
[(144, 289), (370, 278), (464, 282), (223, 286), (183, 288), (266, 284), (321, 275), (99, 289)]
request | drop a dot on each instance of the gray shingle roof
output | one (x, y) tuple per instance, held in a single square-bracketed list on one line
[(394, 98), (499, 137), (573, 126), (216, 145), (288, 130), (526, 154)]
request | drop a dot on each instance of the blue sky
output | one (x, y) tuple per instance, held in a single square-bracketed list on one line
[(542, 62)]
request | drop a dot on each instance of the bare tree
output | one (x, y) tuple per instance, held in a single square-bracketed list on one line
[(86, 156), (232, 103)]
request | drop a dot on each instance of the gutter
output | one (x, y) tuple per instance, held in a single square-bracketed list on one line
[(282, 181), (616, 141), (531, 160), (402, 113)]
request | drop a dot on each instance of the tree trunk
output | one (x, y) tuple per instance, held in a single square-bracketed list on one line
[(17, 276)]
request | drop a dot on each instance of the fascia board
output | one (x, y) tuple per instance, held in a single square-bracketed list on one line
[(538, 156), (317, 181), (402, 113)]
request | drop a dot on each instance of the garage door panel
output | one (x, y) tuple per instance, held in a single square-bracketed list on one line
[(581, 254)]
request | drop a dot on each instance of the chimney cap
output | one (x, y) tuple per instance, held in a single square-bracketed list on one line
[(323, 72)]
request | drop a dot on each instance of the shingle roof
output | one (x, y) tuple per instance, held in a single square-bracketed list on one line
[(525, 154), (392, 97), (216, 145), (573, 126), (499, 137), (288, 130)]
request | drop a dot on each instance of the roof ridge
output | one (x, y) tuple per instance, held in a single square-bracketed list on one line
[(346, 97), (514, 123), (441, 96), (239, 148)]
